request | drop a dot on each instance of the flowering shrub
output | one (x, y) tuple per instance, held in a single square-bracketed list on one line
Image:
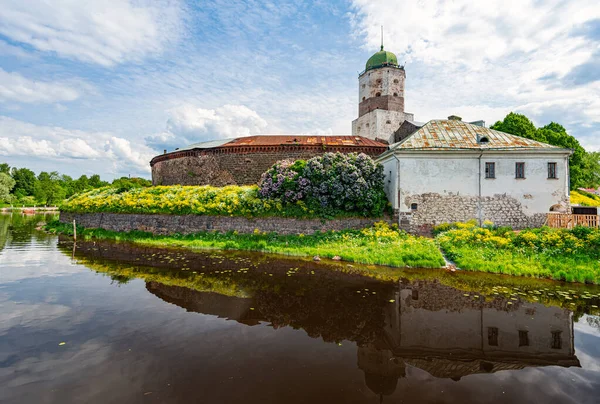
[(584, 199), (330, 183)]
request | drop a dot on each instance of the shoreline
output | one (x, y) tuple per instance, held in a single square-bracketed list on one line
[(377, 245)]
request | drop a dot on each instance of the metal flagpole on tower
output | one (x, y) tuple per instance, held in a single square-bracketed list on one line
[(382, 37)]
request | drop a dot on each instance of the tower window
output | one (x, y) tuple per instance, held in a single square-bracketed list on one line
[(363, 86), (413, 206), (395, 81), (395, 94), (363, 98), (378, 81), (367, 125), (388, 122), (377, 94)]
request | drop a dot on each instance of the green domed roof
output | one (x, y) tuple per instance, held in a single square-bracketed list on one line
[(381, 58)]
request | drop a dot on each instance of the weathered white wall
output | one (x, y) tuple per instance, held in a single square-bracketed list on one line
[(445, 185), (380, 124)]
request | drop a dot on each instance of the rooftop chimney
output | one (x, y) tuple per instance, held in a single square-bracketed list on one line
[(165, 151)]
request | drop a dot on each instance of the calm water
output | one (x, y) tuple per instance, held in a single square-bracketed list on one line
[(167, 326)]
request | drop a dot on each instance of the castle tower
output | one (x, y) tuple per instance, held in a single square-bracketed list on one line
[(381, 98)]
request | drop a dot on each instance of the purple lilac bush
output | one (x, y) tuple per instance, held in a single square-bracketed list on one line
[(331, 183)]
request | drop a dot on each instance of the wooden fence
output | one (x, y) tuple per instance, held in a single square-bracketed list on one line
[(568, 220)]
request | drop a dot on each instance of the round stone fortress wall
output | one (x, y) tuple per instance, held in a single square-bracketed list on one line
[(238, 165)]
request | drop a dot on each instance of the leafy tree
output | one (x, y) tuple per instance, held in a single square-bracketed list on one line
[(516, 124), (581, 165), (96, 182), (125, 183), (4, 168), (48, 189), (6, 185), (25, 181)]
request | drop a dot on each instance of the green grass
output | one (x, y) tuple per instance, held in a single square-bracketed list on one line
[(379, 245), (559, 254)]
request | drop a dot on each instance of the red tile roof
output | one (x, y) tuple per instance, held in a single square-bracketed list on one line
[(328, 140)]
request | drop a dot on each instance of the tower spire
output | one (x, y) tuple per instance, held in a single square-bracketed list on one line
[(382, 37)]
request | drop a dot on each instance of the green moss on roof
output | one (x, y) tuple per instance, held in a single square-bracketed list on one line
[(381, 58)]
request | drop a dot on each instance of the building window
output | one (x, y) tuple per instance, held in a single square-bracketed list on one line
[(556, 340), (523, 338), (388, 122), (395, 94), (377, 94), (492, 336), (519, 170), (395, 81), (490, 170), (552, 171), (363, 98), (413, 206), (415, 294)]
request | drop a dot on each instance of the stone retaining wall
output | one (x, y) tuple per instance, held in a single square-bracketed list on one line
[(189, 224), (433, 209)]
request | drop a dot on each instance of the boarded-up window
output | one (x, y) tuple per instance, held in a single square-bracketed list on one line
[(556, 340), (520, 170), (490, 170), (492, 336), (523, 338), (552, 171)]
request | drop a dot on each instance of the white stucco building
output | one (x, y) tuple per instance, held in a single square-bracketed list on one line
[(449, 171)]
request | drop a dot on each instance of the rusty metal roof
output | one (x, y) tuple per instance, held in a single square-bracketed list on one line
[(329, 140), (451, 134)]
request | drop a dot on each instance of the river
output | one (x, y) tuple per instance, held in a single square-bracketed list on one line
[(105, 322)]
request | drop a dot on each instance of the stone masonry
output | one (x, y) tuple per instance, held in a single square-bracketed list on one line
[(433, 209), (189, 224)]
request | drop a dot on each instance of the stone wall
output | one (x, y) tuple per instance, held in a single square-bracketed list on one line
[(244, 168), (433, 208), (189, 224)]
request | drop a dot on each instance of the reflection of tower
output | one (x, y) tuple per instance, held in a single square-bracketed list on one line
[(381, 97), (382, 370)]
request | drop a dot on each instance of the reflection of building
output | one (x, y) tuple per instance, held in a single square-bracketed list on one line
[(433, 327), (440, 330)]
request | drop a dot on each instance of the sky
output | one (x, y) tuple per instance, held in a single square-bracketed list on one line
[(101, 86)]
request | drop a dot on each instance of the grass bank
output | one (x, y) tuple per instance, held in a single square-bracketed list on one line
[(379, 245), (559, 254)]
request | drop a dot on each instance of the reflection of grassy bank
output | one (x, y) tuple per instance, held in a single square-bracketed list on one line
[(560, 254), (379, 245), (246, 274)]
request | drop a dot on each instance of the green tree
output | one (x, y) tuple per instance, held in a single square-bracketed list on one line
[(516, 124), (4, 168), (96, 182), (6, 185), (581, 165), (25, 181), (48, 189)]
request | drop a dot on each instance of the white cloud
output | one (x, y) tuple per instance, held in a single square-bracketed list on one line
[(188, 124), (16, 88), (27, 140), (106, 32), (483, 62)]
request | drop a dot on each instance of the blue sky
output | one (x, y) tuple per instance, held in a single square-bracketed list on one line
[(103, 85)]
